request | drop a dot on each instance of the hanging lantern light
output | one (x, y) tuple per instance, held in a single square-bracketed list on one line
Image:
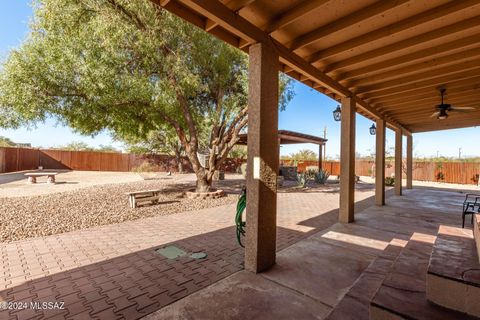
[(373, 129), (337, 114)]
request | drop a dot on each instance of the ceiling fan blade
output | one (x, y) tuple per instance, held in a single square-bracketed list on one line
[(435, 114), (462, 108)]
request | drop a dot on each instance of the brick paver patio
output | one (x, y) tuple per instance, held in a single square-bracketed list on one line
[(113, 271)]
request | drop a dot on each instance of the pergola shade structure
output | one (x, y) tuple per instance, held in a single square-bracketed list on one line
[(291, 137), (386, 60)]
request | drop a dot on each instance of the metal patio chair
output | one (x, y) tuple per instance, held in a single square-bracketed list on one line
[(471, 205)]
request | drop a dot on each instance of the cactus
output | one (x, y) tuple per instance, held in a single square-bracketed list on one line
[(321, 177)]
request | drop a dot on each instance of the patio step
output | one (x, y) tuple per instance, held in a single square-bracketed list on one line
[(355, 304), (476, 233), (453, 278), (402, 295)]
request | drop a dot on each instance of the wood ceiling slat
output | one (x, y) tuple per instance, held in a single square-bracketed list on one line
[(430, 74), (397, 27), (345, 22), (409, 58), (430, 99), (453, 28), (423, 84), (452, 86), (293, 15), (417, 68)]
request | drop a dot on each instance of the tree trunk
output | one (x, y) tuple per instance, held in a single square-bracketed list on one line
[(178, 158), (203, 183)]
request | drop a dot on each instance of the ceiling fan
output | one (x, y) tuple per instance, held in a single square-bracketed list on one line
[(444, 108)]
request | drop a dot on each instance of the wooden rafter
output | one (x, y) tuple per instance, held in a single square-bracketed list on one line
[(342, 23), (454, 63), (292, 15), (397, 27), (454, 28)]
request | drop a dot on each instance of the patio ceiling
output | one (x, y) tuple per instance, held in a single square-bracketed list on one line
[(391, 55)]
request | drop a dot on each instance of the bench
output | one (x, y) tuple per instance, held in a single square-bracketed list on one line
[(32, 176), (139, 198)]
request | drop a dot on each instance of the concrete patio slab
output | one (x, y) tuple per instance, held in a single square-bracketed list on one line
[(318, 269), (244, 296)]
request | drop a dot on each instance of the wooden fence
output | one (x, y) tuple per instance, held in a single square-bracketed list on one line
[(19, 159), (448, 172)]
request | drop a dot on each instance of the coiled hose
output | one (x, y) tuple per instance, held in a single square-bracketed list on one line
[(241, 205)]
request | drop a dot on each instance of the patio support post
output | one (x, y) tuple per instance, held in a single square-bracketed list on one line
[(398, 162), (263, 158), (409, 161), (380, 163), (347, 161), (320, 158)]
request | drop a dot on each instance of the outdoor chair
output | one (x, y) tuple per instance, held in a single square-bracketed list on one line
[(471, 205)]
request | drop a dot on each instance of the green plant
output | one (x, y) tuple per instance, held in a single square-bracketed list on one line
[(321, 177), (302, 180), (440, 176), (145, 166), (389, 181)]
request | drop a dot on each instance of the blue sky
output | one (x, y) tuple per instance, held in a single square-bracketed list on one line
[(309, 112)]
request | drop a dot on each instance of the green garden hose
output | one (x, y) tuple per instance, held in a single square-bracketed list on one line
[(241, 205)]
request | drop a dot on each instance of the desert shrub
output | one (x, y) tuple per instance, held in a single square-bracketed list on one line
[(303, 178), (389, 181), (321, 177)]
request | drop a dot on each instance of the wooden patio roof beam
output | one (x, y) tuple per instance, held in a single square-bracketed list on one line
[(397, 27), (455, 63), (432, 63), (413, 85), (292, 15), (344, 22), (453, 28), (431, 98), (452, 86), (374, 68)]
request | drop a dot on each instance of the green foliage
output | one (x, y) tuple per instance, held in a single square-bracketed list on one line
[(389, 181), (321, 177), (131, 68), (76, 146), (238, 152), (6, 142), (304, 154), (304, 177)]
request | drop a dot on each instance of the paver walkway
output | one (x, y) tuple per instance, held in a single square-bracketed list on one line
[(113, 271)]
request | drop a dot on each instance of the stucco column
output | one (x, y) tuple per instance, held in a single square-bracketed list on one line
[(320, 157), (380, 163), (398, 162), (409, 162), (347, 161), (263, 158)]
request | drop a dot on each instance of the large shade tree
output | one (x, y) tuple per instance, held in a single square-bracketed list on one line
[(131, 68)]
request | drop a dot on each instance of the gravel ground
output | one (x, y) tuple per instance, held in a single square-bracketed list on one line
[(26, 217)]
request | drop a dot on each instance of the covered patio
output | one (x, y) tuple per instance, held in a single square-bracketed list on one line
[(410, 66)]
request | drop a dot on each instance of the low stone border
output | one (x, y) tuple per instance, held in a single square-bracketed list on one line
[(191, 194)]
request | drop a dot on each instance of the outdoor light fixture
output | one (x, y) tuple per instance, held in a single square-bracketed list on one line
[(337, 114), (442, 114), (373, 129)]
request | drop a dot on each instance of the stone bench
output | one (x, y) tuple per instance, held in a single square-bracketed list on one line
[(139, 198), (32, 176)]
